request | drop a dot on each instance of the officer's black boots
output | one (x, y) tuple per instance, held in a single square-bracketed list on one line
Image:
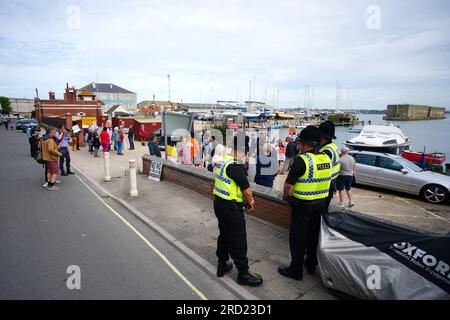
[(287, 272), (311, 270), (248, 279), (222, 269)]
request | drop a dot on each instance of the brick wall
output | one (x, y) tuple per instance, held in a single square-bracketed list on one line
[(269, 205)]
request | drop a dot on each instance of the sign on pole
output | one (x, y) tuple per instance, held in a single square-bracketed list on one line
[(156, 168)]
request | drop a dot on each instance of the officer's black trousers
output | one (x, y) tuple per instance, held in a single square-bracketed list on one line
[(304, 233), (330, 195), (232, 241)]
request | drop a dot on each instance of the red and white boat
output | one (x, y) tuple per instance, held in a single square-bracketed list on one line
[(435, 158)]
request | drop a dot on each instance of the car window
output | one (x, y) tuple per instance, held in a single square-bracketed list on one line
[(389, 164), (366, 159)]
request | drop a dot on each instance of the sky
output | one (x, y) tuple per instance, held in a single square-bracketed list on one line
[(381, 52)]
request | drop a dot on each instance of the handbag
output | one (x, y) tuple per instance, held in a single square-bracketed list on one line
[(39, 157)]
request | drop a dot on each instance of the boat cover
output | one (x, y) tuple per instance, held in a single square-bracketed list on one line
[(370, 259)]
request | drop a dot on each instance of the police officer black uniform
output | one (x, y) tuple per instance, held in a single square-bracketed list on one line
[(327, 135), (232, 194), (306, 188)]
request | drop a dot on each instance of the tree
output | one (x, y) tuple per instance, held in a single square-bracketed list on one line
[(6, 105)]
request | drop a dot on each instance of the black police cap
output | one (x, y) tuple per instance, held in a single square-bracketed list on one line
[(327, 130), (309, 135)]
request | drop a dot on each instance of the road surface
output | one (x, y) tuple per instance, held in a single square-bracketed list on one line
[(43, 233)]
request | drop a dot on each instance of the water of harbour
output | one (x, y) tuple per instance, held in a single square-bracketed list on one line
[(432, 134)]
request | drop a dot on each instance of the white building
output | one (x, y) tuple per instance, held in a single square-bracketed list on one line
[(112, 95), (22, 106)]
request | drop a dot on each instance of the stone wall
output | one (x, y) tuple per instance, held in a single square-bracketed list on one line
[(269, 204), (414, 112)]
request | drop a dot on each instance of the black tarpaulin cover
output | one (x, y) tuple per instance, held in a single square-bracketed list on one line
[(370, 259)]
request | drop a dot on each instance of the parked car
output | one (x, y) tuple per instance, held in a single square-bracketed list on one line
[(29, 124), (25, 124), (396, 173)]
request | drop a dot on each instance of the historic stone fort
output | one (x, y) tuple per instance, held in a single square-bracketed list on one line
[(405, 112)]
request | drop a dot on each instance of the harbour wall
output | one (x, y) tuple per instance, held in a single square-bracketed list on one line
[(408, 112), (269, 203)]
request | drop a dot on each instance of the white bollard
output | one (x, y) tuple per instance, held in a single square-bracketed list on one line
[(107, 167), (133, 180)]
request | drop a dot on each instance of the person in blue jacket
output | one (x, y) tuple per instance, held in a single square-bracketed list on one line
[(266, 166)]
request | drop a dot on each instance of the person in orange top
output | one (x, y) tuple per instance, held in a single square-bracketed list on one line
[(195, 151)]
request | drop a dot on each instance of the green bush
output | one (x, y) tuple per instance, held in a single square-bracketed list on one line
[(6, 105)]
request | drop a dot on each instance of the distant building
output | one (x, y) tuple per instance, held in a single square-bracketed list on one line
[(118, 110), (22, 106), (112, 95), (204, 108), (152, 107), (406, 112), (77, 104)]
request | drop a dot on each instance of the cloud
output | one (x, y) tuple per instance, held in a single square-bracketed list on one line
[(212, 48)]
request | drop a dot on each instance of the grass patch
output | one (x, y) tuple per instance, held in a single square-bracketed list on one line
[(300, 295)]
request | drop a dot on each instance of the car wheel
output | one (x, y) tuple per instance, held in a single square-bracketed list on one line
[(434, 193)]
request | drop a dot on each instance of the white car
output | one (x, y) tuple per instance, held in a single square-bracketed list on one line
[(393, 172)]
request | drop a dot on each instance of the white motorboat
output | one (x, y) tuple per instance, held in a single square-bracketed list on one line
[(355, 129), (386, 139)]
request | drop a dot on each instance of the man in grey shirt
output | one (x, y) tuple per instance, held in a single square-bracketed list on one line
[(345, 179)]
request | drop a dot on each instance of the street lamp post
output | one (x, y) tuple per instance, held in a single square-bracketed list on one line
[(168, 77)]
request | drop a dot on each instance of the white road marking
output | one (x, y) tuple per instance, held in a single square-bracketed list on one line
[(149, 244), (423, 209)]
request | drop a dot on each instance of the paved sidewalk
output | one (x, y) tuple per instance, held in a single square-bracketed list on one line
[(189, 217), (407, 210)]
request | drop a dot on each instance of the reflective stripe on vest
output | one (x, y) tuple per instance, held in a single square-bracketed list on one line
[(315, 183), (224, 186), (336, 165)]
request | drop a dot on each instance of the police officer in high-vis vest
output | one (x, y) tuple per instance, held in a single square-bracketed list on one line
[(306, 189), (327, 134), (233, 195)]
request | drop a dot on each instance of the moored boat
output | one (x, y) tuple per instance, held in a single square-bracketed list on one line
[(355, 129), (434, 158), (386, 139)]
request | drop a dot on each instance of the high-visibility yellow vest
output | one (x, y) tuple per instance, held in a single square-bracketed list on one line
[(225, 187), (336, 165), (315, 182)]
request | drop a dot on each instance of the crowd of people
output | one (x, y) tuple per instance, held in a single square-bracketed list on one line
[(266, 160)]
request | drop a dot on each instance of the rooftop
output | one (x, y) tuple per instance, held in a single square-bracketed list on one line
[(105, 88)]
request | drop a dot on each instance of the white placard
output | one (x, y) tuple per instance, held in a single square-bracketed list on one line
[(76, 129), (155, 170)]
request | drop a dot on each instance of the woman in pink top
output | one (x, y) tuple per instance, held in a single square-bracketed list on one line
[(105, 139)]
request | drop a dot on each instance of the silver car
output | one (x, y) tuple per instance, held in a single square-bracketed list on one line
[(396, 173)]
